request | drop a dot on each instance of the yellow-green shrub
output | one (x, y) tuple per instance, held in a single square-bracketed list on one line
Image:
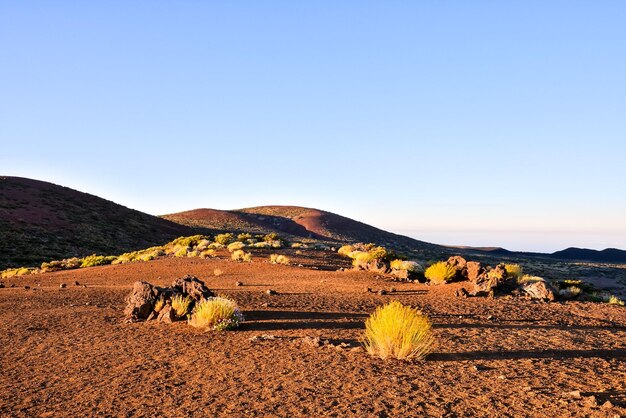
[(279, 259), (527, 278), (244, 236), (182, 252), (514, 271), (235, 246), (440, 272), (410, 266), (398, 331), (207, 254), (240, 255), (180, 305), (159, 304), (224, 239), (217, 313), (345, 250), (96, 260)]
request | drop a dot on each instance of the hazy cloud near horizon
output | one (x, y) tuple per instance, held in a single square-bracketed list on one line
[(453, 124)]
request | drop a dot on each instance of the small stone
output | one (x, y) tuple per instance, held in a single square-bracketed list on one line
[(62, 286), (607, 405), (271, 292), (76, 283), (591, 401), (392, 290), (26, 287), (369, 289), (238, 283), (502, 377), (527, 389), (574, 394), (461, 293), (264, 305), (382, 292), (84, 286), (1, 285)]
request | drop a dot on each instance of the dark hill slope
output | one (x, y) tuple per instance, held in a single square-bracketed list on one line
[(41, 221), (297, 222)]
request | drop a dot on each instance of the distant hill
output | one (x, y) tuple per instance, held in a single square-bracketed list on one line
[(609, 255), (40, 221), (298, 222)]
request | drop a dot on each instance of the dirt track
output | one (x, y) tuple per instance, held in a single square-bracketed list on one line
[(67, 352)]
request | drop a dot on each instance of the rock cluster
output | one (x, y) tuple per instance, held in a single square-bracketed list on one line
[(488, 281), (141, 303)]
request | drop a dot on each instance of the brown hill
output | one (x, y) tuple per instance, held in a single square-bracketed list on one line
[(298, 222), (41, 221)]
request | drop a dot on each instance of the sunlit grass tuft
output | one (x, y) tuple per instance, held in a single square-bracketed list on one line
[(181, 304), (217, 313), (398, 331), (440, 272)]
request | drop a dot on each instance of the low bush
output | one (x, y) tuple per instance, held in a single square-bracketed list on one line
[(96, 260), (527, 278), (440, 272), (20, 271), (218, 313), (224, 239), (181, 304), (182, 252), (159, 304), (207, 254), (398, 331), (514, 271), (261, 244), (243, 237), (410, 266), (241, 255), (279, 259), (345, 250), (237, 245)]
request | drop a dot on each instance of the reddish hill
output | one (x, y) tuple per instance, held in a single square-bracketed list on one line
[(297, 222), (41, 221)]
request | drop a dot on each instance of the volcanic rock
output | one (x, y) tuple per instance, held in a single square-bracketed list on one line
[(539, 290), (140, 302), (192, 287)]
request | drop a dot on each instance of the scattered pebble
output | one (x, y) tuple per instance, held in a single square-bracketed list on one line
[(502, 377), (382, 292), (1, 285), (238, 283), (369, 289), (26, 287), (62, 286), (591, 401), (76, 283), (271, 292), (574, 394), (262, 337), (607, 405), (392, 290)]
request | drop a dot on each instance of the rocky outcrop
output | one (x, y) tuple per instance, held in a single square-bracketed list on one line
[(474, 270), (141, 303), (540, 290)]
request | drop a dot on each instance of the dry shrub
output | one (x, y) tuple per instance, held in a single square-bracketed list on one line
[(159, 304), (237, 245), (217, 313), (181, 304), (440, 272), (279, 259), (514, 271), (240, 255), (398, 331), (411, 266), (345, 250)]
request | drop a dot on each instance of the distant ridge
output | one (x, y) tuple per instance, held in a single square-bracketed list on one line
[(609, 255), (41, 221)]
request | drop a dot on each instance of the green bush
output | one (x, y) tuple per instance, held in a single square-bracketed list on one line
[(224, 239), (96, 260)]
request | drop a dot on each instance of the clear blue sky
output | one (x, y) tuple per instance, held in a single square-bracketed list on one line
[(459, 122)]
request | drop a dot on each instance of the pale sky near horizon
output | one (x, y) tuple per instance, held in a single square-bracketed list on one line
[(463, 123)]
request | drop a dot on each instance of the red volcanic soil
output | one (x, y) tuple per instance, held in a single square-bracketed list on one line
[(67, 352)]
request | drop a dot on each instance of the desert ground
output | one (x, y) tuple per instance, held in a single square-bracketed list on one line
[(68, 352)]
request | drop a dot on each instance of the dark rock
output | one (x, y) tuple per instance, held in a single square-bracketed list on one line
[(461, 293), (271, 292), (490, 281), (369, 289), (238, 283), (76, 283), (26, 287), (539, 290), (460, 265), (474, 270), (392, 290), (382, 292), (1, 285), (167, 314), (62, 286), (192, 287), (140, 302)]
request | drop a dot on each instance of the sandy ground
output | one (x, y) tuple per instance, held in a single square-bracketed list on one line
[(67, 352)]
